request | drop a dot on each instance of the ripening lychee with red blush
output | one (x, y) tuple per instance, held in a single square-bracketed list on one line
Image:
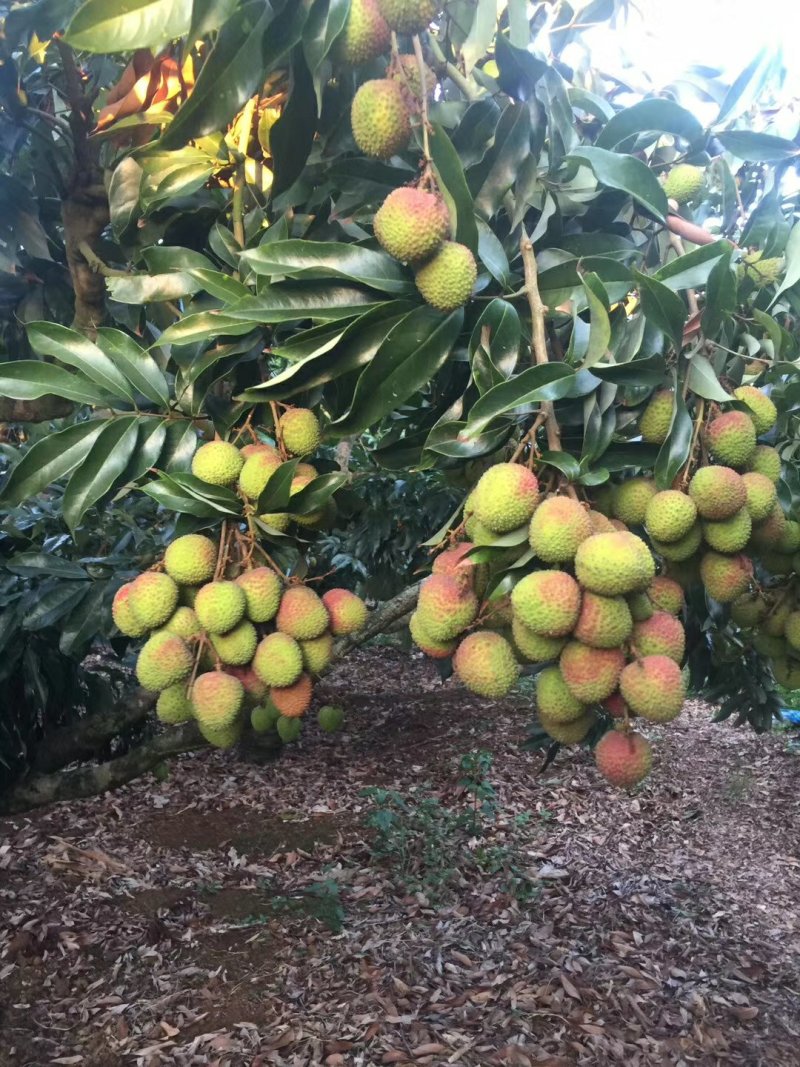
[(616, 706), (731, 439), (347, 612), (718, 492), (301, 614), (666, 594), (623, 758), (604, 622), (445, 609), (558, 526), (122, 613), (660, 635), (547, 602), (484, 662), (654, 687), (293, 700), (725, 577), (427, 644), (455, 562), (591, 674), (254, 688)]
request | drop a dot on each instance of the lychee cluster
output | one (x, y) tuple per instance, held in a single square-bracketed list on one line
[(226, 636)]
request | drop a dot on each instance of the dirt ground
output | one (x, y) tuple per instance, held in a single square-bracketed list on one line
[(234, 914)]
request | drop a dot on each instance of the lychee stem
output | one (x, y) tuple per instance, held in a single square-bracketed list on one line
[(426, 148)]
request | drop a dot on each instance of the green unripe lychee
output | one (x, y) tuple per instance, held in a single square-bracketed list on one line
[(767, 534), (408, 16), (237, 646), (263, 717), (184, 623), (729, 535), (656, 418), (125, 620), (762, 495), (153, 598), (640, 605), (761, 272), (569, 733), (614, 563), (684, 182), (767, 461), (660, 635), (630, 499), (406, 73), (300, 431), (792, 630), (725, 577), (789, 540), (532, 646), (666, 595), (220, 606), (347, 612), (670, 515), (762, 410), (558, 526), (718, 492), (301, 614), (365, 36), (163, 661), (278, 521), (411, 224), (444, 607), (256, 472), (623, 758), (654, 688), (484, 662), (262, 590), (330, 718), (379, 117), (289, 729), (173, 705), (787, 673), (554, 701), (547, 602), (604, 622), (191, 559), (774, 622), (317, 653), (278, 660), (446, 280), (591, 674), (731, 438), (684, 548), (768, 645), (749, 609), (217, 463), (504, 498)]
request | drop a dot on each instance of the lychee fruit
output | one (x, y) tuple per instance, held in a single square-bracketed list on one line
[(760, 271), (406, 73), (630, 499), (484, 662), (765, 460), (256, 472), (237, 645), (317, 653), (591, 674), (548, 602), (173, 705), (684, 182), (347, 612), (153, 598), (604, 622), (163, 661), (330, 718), (278, 660), (761, 409), (220, 606), (254, 688), (654, 688), (729, 535), (444, 608), (300, 431), (554, 700), (681, 549), (289, 729), (656, 418), (427, 644), (184, 622), (767, 534), (718, 492), (191, 559), (263, 717), (640, 606), (445, 281), (725, 577), (670, 515), (660, 635), (409, 16), (217, 699), (365, 36), (569, 733), (558, 526), (123, 615), (616, 706), (792, 630), (505, 497), (217, 462), (623, 758), (762, 495), (411, 224), (262, 590), (666, 594), (532, 646), (731, 438), (301, 614), (749, 609), (294, 700), (380, 120), (614, 563), (455, 561)]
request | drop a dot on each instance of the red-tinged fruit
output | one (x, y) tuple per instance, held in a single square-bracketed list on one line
[(411, 224), (731, 439), (262, 590), (591, 674), (718, 492), (484, 662), (125, 619), (547, 602), (660, 635), (445, 609), (293, 701), (554, 700), (654, 688), (666, 594), (623, 758), (301, 614), (347, 612), (558, 526), (505, 497), (278, 660), (604, 622), (153, 598), (614, 564), (725, 577)]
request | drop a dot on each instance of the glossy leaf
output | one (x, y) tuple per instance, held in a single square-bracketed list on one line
[(453, 183), (662, 307), (124, 25), (72, 348), (675, 451), (692, 270), (519, 71), (172, 496), (747, 87), (101, 469), (628, 174), (720, 299), (548, 382), (757, 147), (57, 602), (563, 462), (317, 493), (138, 366), (48, 460), (85, 621), (600, 326), (209, 15), (703, 381), (28, 379), (147, 288), (495, 175), (328, 259), (275, 497), (656, 116)]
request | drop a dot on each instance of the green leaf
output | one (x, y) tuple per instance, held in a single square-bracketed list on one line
[(663, 308), (138, 366), (150, 288), (675, 451), (692, 270), (792, 268), (494, 176), (124, 25), (148, 450), (749, 86), (54, 605), (627, 174), (480, 34), (563, 462), (172, 496), (492, 254), (757, 147), (72, 348), (45, 563), (410, 356), (656, 116), (329, 259), (646, 371), (720, 299), (703, 381), (179, 447), (495, 344), (101, 469), (209, 15), (292, 136), (28, 379), (317, 493), (548, 382), (326, 21), (519, 70), (453, 183), (85, 621), (220, 285), (275, 496), (123, 194), (224, 500), (227, 79), (600, 324), (48, 460)]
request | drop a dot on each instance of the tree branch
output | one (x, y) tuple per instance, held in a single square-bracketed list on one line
[(378, 621)]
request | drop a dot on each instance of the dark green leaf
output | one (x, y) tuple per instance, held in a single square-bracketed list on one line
[(757, 147), (275, 497), (54, 605), (325, 22), (675, 451), (492, 254), (494, 176), (316, 494), (692, 270), (124, 25), (703, 381), (85, 621), (600, 324), (209, 15), (48, 460), (548, 382), (495, 341), (292, 136), (563, 462), (329, 259), (654, 116), (720, 299), (646, 371), (28, 379), (627, 174), (45, 563), (663, 308), (101, 469), (72, 348), (138, 366), (450, 175), (519, 71), (123, 194), (166, 492)]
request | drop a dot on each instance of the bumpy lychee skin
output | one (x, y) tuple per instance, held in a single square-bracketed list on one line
[(505, 497), (656, 418), (569, 733), (591, 674), (660, 635), (729, 535), (455, 562), (278, 660), (760, 271), (623, 759), (262, 590), (767, 534), (616, 706), (258, 446), (792, 631), (190, 559), (600, 523), (293, 701), (330, 718), (731, 438), (163, 661), (789, 540), (762, 410), (654, 688), (604, 622), (217, 698), (446, 280), (558, 526), (276, 520), (153, 598), (684, 182), (184, 622), (256, 472), (123, 615), (767, 461), (718, 492), (254, 689), (769, 645), (666, 594), (787, 672), (263, 717), (427, 644), (379, 117), (774, 623), (301, 614), (640, 606), (300, 431), (366, 34), (554, 700), (630, 500), (238, 645), (548, 602), (749, 609), (317, 653), (445, 609), (762, 495), (484, 662), (217, 463), (406, 74), (173, 705), (347, 612), (220, 606), (681, 549), (534, 647), (670, 515), (725, 577), (614, 563), (408, 16), (411, 224)]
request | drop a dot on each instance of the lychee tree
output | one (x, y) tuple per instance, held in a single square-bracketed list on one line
[(246, 243)]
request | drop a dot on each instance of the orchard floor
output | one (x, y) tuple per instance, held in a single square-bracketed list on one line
[(171, 923)]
